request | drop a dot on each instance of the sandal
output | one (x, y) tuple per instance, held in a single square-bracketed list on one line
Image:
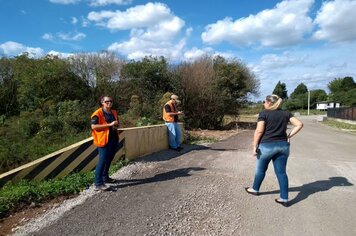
[(253, 192)]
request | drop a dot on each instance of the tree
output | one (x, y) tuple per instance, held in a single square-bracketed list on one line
[(299, 98), (149, 79), (350, 97), (281, 90), (212, 88), (300, 89), (342, 90), (8, 88), (44, 79), (99, 71), (316, 96)]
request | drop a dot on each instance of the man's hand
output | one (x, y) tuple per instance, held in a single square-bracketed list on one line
[(114, 123)]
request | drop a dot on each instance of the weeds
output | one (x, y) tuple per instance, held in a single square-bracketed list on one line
[(13, 197), (340, 125)]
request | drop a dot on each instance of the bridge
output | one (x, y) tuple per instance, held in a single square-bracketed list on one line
[(200, 191)]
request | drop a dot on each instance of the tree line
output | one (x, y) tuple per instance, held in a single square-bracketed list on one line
[(342, 90), (46, 102)]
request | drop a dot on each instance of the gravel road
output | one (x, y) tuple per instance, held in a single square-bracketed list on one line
[(200, 192)]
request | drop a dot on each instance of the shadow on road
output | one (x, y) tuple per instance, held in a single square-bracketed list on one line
[(306, 190), (168, 154), (182, 172)]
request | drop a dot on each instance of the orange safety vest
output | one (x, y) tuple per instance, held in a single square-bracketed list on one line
[(101, 137), (166, 116)]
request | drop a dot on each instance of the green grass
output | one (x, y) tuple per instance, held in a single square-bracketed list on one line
[(13, 197), (340, 125), (199, 140)]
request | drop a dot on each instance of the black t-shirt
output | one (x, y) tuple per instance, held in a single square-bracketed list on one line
[(276, 122), (168, 109), (109, 117)]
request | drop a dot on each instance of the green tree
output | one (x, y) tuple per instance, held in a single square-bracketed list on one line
[(148, 79), (350, 97), (316, 96), (342, 90), (48, 78), (8, 88), (281, 90), (299, 98), (299, 90)]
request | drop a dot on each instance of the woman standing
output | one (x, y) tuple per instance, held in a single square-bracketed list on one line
[(271, 143), (104, 125)]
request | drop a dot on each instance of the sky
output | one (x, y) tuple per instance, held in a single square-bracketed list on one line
[(292, 41)]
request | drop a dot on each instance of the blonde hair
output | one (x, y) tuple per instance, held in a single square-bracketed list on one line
[(275, 100)]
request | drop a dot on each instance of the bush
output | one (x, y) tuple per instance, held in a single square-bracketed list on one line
[(49, 126), (74, 115), (144, 121), (29, 123)]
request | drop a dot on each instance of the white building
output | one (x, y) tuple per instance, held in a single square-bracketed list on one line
[(325, 105)]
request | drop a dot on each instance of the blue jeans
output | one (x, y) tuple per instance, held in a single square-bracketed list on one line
[(106, 155), (173, 134), (278, 152)]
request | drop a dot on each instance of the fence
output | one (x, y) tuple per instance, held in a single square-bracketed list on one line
[(345, 113), (81, 156)]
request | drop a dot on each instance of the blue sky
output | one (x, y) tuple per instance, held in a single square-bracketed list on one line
[(291, 41)]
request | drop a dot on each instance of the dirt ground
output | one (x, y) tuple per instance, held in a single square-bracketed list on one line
[(21, 217)]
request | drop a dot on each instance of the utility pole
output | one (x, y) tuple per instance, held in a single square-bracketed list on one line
[(308, 101)]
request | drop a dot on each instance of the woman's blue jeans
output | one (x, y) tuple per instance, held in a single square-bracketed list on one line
[(278, 152), (173, 134), (106, 155)]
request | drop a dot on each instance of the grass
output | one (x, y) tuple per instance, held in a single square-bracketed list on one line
[(195, 140), (340, 125), (13, 197)]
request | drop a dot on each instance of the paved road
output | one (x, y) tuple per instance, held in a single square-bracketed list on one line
[(200, 192)]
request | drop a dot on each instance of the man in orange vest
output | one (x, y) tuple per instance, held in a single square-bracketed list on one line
[(104, 124), (170, 116)]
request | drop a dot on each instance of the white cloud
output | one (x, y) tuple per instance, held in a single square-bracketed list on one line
[(64, 2), (60, 54), (137, 48), (99, 3), (64, 36), (154, 30), (284, 25), (11, 48), (74, 20), (336, 20), (194, 53), (139, 16), (85, 22), (48, 36), (280, 61), (71, 36)]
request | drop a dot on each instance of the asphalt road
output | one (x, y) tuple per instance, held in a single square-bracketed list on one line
[(200, 192)]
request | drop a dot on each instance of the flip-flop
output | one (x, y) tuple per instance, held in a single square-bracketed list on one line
[(251, 192), (283, 203)]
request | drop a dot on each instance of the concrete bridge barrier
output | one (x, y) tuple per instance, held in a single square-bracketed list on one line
[(81, 156)]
